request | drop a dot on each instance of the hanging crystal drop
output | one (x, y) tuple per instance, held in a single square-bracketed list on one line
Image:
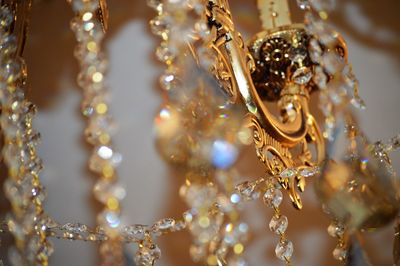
[(278, 224), (273, 197), (340, 253), (335, 230), (284, 250), (146, 256)]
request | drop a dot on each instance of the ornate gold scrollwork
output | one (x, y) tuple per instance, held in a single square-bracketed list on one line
[(282, 141)]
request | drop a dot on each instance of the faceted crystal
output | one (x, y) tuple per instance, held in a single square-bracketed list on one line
[(103, 157), (104, 190), (188, 216), (135, 232), (8, 44), (160, 25), (165, 53), (19, 192), (335, 230), (302, 75), (169, 81), (99, 126), (164, 224), (6, 17), (146, 256), (278, 224), (308, 171), (340, 253), (273, 197), (179, 225), (284, 250), (246, 189), (11, 70), (45, 250), (75, 228), (288, 173)]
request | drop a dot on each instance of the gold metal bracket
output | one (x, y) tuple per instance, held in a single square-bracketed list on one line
[(282, 141)]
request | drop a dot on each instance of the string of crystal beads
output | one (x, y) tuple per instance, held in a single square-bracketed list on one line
[(129, 234), (336, 229), (333, 75), (219, 236), (272, 196), (26, 221), (214, 222), (100, 126)]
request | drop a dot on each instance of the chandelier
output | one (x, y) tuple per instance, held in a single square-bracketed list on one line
[(288, 92)]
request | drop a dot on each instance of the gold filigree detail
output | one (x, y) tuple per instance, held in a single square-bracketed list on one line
[(281, 141)]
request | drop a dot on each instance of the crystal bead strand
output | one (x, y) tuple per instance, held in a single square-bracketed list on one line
[(178, 23), (273, 197), (214, 222), (337, 230), (27, 221), (234, 233), (214, 232), (333, 75), (100, 127)]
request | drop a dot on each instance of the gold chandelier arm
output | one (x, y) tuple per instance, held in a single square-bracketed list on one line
[(231, 46), (287, 133), (274, 13)]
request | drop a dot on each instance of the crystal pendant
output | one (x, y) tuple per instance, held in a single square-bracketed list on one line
[(273, 197), (278, 224), (146, 256), (340, 253), (335, 230), (247, 190), (135, 232), (164, 225), (284, 250), (302, 75)]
